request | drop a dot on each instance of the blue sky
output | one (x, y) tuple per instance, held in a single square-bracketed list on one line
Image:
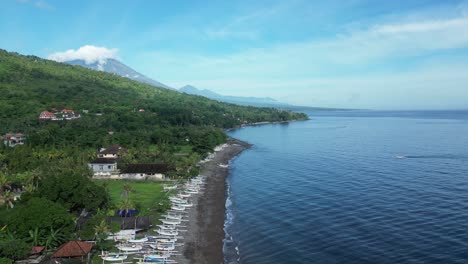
[(355, 54)]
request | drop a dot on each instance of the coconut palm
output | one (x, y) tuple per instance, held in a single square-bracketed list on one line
[(101, 230), (127, 189), (125, 205)]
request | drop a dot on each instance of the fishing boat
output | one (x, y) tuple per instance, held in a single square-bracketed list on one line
[(169, 188), (166, 232), (184, 195), (178, 208), (164, 246), (170, 222), (191, 191), (129, 248), (163, 239), (114, 257), (140, 240), (156, 257), (173, 216)]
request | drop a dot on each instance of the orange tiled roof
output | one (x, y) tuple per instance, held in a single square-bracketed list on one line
[(73, 248)]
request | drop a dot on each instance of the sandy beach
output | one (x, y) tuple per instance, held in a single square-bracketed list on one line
[(203, 241)]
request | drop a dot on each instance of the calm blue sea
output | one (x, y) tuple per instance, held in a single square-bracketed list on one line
[(351, 187)]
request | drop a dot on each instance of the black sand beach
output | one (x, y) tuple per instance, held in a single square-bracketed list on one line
[(203, 241)]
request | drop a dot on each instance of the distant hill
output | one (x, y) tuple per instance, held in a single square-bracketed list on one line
[(241, 100), (117, 67)]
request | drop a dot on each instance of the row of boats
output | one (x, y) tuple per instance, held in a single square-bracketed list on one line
[(162, 246)]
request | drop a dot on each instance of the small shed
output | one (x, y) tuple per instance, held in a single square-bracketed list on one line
[(74, 249)]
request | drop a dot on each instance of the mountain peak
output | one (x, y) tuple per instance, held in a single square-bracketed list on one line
[(116, 67)]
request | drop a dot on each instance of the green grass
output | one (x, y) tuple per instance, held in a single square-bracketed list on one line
[(146, 194)]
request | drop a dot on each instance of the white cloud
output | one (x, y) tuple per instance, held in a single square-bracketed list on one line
[(291, 71), (41, 4), (90, 54)]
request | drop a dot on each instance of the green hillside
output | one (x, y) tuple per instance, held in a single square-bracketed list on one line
[(30, 85)]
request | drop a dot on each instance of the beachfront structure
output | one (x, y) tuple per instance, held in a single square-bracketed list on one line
[(104, 167), (111, 152), (74, 249), (148, 171), (13, 139)]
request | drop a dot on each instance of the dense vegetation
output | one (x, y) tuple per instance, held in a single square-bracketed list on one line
[(154, 124)]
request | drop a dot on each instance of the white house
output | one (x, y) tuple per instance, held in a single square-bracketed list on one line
[(104, 167), (13, 139)]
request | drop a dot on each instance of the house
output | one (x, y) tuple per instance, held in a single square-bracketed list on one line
[(13, 139), (69, 114), (74, 249), (58, 114), (46, 115), (104, 167), (149, 171), (111, 152)]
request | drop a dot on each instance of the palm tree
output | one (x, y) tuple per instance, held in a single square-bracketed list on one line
[(125, 205), (101, 231), (127, 189)]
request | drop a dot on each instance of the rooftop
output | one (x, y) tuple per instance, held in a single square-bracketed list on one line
[(73, 248)]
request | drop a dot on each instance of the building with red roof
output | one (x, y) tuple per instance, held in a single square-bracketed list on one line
[(73, 249)]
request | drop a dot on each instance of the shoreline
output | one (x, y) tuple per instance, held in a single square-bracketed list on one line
[(264, 123), (203, 241)]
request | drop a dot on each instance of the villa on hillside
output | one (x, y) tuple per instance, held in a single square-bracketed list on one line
[(112, 152), (13, 139), (58, 114)]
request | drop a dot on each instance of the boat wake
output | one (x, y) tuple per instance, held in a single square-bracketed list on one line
[(437, 156)]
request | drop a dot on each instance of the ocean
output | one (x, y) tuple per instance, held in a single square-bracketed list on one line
[(351, 187)]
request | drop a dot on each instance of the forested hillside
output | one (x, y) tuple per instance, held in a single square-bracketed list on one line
[(30, 85)]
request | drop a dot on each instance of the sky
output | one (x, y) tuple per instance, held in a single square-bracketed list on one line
[(374, 54)]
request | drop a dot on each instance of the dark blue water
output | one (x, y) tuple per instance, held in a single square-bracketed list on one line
[(361, 187)]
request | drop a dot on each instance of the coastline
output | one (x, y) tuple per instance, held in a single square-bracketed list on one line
[(264, 123), (205, 230)]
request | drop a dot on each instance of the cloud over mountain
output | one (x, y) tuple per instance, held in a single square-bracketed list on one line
[(88, 53)]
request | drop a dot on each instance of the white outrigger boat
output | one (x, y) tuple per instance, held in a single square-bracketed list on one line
[(164, 246), (178, 208), (114, 257), (184, 195), (171, 222), (164, 239), (129, 248), (166, 232), (169, 188), (173, 216), (191, 191), (139, 240)]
